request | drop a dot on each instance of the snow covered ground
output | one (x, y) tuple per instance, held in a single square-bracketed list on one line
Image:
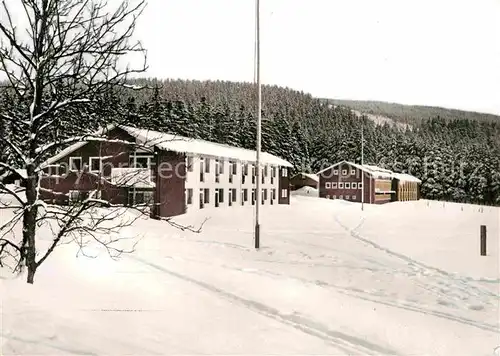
[(397, 279)]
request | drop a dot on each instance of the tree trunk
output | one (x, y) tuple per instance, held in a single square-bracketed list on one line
[(29, 223)]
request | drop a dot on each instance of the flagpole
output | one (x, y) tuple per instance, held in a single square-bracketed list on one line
[(259, 121), (362, 163)]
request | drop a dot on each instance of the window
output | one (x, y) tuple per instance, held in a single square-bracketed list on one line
[(245, 194), (74, 195), (327, 196), (360, 185), (334, 197), (347, 197), (347, 185), (202, 169), (233, 196), (253, 196), (221, 195), (265, 194), (341, 185), (190, 196), (230, 178), (95, 164), (284, 193), (341, 197), (140, 160), (328, 185), (189, 163), (219, 167), (335, 172), (353, 185), (344, 172), (75, 163), (207, 165), (140, 197), (206, 194), (217, 170), (265, 171), (353, 172), (234, 168), (354, 197), (334, 185), (244, 169), (284, 172), (253, 174), (273, 194)]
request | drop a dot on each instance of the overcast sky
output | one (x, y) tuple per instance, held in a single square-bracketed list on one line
[(430, 52)]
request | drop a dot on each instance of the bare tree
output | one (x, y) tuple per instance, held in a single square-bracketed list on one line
[(58, 57)]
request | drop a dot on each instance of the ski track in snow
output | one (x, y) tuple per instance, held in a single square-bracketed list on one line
[(448, 287), (446, 279), (356, 293), (345, 342)]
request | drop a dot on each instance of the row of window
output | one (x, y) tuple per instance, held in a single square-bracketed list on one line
[(95, 163), (135, 197), (219, 169), (232, 196), (344, 172), (344, 185), (233, 167), (344, 197)]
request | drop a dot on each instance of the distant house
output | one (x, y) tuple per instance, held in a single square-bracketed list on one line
[(345, 180), (173, 174), (16, 177), (304, 180)]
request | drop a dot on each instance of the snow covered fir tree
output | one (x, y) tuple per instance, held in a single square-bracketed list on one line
[(456, 159)]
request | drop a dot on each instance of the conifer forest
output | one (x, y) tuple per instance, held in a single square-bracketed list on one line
[(457, 158)]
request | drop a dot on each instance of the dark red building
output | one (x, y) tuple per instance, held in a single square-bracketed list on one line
[(134, 166), (350, 181)]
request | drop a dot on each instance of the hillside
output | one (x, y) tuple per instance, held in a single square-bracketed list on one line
[(411, 113), (328, 280)]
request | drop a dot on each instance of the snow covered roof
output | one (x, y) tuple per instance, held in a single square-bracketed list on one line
[(374, 171), (404, 177), (309, 175), (377, 172), (181, 144), (132, 177)]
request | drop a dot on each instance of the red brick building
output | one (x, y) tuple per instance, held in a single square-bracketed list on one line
[(349, 181), (168, 172)]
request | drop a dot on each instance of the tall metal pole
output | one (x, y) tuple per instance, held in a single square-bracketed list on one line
[(259, 121), (362, 163)]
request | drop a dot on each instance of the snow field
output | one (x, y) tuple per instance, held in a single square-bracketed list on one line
[(329, 279)]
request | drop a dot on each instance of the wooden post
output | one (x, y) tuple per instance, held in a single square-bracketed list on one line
[(483, 240)]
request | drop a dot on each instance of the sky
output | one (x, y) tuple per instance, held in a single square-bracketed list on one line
[(427, 52), (420, 52)]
